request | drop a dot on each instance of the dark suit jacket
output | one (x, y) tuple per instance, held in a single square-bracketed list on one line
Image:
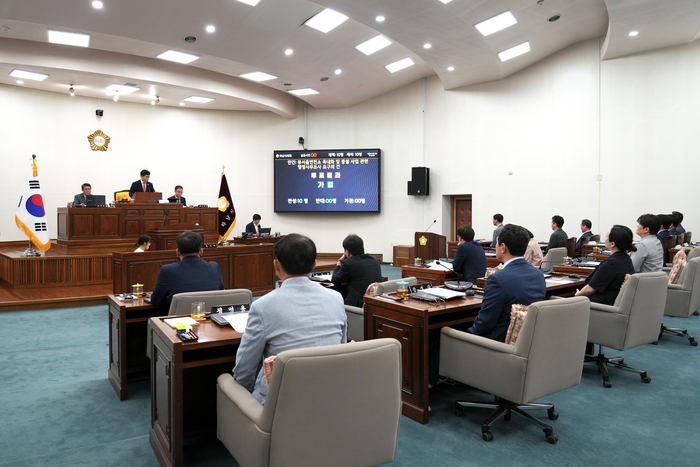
[(173, 199), (518, 283), (358, 272), (470, 261), (138, 186), (192, 274), (584, 235), (250, 228), (556, 240), (79, 199)]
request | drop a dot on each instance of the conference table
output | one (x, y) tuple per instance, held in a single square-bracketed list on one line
[(434, 276)]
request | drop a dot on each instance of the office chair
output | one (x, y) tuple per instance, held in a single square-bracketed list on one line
[(668, 243), (633, 320), (595, 238), (570, 247), (545, 359), (554, 257), (331, 405), (687, 236), (683, 298)]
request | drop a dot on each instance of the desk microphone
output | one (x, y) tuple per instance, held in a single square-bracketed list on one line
[(430, 225), (164, 216), (455, 285)]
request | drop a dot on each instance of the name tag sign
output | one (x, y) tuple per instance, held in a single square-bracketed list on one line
[(242, 308), (417, 287)]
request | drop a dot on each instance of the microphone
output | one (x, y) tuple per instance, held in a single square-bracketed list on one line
[(455, 285), (164, 216), (430, 225)]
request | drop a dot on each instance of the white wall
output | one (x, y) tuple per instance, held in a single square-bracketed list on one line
[(555, 125)]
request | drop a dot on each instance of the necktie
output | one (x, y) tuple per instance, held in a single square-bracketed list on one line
[(144, 187)]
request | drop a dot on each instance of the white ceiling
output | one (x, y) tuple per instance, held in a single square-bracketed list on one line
[(126, 35)]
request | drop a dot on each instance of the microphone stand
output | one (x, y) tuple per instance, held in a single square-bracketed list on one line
[(455, 285)]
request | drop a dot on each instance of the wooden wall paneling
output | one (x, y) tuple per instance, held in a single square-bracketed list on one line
[(108, 224), (83, 225)]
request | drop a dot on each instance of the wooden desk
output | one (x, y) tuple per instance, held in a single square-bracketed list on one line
[(128, 321), (492, 262), (411, 322), (183, 385), (255, 240), (672, 253), (435, 276), (580, 270), (562, 290)]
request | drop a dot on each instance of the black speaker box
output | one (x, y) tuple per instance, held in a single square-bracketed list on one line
[(420, 183)]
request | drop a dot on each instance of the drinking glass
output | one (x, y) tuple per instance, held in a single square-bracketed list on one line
[(197, 311)]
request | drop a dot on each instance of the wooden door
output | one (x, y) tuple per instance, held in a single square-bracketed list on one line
[(461, 213)]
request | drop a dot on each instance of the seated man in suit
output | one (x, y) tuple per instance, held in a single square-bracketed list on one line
[(586, 229), (470, 259), (679, 230), (517, 283), (190, 274), (357, 270), (299, 314), (254, 227), (142, 185), (498, 222), (649, 256), (558, 237), (177, 197), (80, 200)]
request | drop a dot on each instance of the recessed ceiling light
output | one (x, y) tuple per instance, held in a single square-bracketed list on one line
[(97, 4), (450, 68), (380, 18), (122, 88), (303, 92), (326, 20), (182, 103), (338, 71), (197, 99), (554, 18), (210, 28), (69, 38), (190, 39), (514, 51), (445, 1), (495, 24), (427, 46), (400, 65), (633, 33), (257, 76), (374, 44), (19, 81), (28, 75), (178, 57), (250, 2), (288, 52)]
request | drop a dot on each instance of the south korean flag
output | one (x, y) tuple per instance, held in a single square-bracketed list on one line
[(31, 214)]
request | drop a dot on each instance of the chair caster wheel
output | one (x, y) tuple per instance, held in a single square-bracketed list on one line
[(552, 439), (552, 414), (607, 384), (487, 436), (693, 342), (646, 379)]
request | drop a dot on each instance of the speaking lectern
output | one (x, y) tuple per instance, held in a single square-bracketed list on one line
[(141, 197), (165, 237), (429, 245)]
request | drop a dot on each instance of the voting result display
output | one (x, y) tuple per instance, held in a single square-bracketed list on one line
[(334, 180)]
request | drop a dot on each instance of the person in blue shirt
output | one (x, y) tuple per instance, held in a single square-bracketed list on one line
[(470, 259)]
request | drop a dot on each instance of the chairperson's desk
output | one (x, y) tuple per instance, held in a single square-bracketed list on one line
[(183, 384)]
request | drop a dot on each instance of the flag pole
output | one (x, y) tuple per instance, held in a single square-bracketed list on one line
[(31, 252)]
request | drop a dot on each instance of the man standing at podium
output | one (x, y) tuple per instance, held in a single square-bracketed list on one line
[(143, 185)]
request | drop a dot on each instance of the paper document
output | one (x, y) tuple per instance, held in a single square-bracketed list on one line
[(559, 281), (443, 293), (184, 320), (441, 267), (237, 321)]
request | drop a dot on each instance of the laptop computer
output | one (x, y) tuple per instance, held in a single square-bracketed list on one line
[(95, 200), (219, 312), (265, 232)]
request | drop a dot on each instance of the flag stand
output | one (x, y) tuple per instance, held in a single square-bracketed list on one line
[(31, 251)]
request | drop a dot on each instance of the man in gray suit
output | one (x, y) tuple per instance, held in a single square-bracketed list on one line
[(558, 237), (80, 200), (498, 222), (299, 314)]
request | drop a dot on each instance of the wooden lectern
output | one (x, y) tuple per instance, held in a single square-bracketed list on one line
[(165, 237), (435, 246), (141, 197)]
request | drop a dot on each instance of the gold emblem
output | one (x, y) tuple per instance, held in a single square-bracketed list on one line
[(222, 204), (423, 241), (98, 141)]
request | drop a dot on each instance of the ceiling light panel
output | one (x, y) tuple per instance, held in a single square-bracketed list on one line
[(197, 99), (250, 2), (326, 20), (28, 75), (69, 38), (497, 23), (400, 65), (514, 51), (178, 57), (257, 76), (303, 92), (122, 88), (373, 45)]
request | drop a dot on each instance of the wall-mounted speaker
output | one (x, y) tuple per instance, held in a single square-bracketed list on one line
[(420, 181), (99, 112)]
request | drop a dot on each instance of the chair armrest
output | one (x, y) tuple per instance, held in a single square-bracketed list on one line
[(478, 340), (354, 310), (244, 400), (601, 307), (666, 270), (675, 287)]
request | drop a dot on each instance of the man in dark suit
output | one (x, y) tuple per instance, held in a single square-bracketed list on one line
[(142, 185), (177, 197), (254, 227), (558, 237), (586, 229), (80, 200), (470, 259), (356, 269), (517, 283), (190, 274)]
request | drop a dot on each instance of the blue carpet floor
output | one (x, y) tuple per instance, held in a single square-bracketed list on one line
[(58, 408)]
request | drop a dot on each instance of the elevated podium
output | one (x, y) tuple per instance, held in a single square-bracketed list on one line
[(434, 246), (140, 197)]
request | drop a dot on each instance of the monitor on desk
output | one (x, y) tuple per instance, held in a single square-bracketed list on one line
[(95, 200), (265, 232)]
